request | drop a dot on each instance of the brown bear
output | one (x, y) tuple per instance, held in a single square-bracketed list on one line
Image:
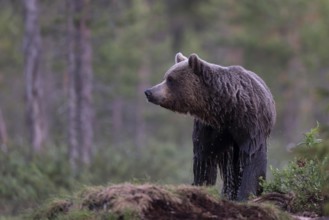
[(234, 113)]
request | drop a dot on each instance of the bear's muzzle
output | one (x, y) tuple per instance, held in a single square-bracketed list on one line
[(148, 95)]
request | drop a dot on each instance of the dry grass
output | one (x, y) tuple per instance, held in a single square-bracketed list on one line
[(127, 201)]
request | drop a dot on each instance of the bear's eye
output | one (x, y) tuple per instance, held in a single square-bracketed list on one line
[(170, 79)]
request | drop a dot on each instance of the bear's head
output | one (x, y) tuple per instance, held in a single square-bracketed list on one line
[(182, 89)]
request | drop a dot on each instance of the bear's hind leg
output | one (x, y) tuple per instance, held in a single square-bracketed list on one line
[(254, 168)]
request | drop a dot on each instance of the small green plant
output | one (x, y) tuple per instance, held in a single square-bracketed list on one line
[(311, 138), (306, 175)]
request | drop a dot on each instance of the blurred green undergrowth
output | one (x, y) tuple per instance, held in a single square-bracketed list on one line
[(307, 175), (25, 183)]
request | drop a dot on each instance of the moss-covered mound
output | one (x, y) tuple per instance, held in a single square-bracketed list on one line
[(148, 201)]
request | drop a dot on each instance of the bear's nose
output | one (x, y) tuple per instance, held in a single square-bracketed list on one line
[(148, 93)]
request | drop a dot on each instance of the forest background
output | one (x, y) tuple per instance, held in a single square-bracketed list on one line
[(72, 76)]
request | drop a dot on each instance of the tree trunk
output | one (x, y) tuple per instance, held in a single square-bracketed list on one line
[(72, 96), (117, 119), (80, 83), (296, 73), (33, 91), (143, 75), (86, 75), (3, 134)]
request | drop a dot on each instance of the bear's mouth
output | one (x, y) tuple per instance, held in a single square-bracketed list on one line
[(175, 107)]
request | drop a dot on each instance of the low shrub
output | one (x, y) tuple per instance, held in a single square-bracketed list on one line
[(307, 175)]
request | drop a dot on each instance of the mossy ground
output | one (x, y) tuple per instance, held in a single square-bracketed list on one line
[(149, 201)]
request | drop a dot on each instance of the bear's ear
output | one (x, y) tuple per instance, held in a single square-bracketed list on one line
[(195, 63), (180, 57)]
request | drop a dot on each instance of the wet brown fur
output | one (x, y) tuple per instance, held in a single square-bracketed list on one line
[(234, 114)]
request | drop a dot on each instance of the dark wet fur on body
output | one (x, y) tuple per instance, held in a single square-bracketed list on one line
[(234, 114)]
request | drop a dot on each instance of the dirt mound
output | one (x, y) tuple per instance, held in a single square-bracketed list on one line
[(147, 201)]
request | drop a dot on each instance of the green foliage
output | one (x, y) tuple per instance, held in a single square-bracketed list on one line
[(310, 138), (155, 162), (302, 178), (24, 183), (306, 176)]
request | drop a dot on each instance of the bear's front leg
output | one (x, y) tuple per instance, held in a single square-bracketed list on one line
[(204, 160)]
